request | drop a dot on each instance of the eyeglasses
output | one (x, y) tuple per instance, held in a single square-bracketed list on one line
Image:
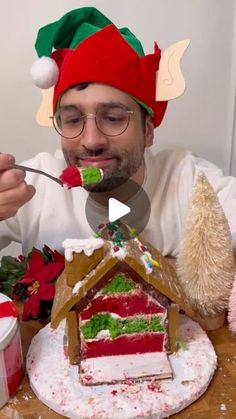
[(112, 121)]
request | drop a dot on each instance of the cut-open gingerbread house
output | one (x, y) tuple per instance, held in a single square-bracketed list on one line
[(121, 301)]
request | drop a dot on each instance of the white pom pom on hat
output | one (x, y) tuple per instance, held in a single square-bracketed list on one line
[(44, 72)]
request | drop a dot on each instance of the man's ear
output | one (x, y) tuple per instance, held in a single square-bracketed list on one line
[(170, 82), (149, 131), (45, 109)]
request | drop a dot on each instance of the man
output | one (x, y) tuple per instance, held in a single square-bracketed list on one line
[(107, 101)]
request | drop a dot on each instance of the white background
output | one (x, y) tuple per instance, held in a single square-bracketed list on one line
[(201, 120)]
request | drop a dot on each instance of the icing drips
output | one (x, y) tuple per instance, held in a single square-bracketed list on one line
[(81, 245)]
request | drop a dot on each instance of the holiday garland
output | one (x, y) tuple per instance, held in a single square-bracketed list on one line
[(31, 279)]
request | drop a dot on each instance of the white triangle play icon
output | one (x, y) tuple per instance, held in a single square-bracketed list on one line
[(116, 209)]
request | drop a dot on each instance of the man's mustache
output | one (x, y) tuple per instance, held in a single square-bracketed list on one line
[(96, 153)]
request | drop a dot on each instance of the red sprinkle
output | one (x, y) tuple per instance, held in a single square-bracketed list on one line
[(128, 382), (153, 387), (114, 392), (65, 350), (88, 377)]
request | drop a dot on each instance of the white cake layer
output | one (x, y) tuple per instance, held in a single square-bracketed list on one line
[(56, 383), (109, 369)]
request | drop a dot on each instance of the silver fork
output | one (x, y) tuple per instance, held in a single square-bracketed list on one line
[(30, 169)]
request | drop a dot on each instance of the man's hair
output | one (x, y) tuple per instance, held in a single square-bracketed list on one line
[(81, 86)]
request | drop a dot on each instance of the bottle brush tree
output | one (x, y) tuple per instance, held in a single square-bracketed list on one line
[(205, 262)]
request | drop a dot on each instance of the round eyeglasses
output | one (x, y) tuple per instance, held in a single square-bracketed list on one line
[(112, 121)]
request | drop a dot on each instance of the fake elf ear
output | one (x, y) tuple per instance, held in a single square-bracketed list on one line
[(45, 109), (170, 82)]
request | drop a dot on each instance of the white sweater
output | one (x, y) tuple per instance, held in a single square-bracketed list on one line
[(55, 213)]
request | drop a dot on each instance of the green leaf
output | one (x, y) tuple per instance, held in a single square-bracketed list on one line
[(11, 270)]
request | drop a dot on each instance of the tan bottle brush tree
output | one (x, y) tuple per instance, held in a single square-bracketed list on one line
[(205, 262)]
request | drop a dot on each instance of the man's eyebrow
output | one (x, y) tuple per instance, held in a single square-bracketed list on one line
[(110, 104), (68, 107)]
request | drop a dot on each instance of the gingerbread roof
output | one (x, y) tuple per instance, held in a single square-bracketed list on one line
[(132, 257)]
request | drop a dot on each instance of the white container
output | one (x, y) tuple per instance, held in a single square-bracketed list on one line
[(11, 359)]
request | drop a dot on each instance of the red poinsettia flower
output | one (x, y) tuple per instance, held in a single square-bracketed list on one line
[(39, 277)]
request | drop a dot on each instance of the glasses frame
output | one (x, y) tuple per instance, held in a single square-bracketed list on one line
[(93, 116)]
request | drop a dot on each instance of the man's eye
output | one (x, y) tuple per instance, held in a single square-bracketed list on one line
[(73, 120), (113, 118)]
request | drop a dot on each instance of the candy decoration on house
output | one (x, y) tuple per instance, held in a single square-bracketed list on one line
[(232, 308), (205, 263)]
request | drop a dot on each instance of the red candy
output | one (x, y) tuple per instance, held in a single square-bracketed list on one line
[(101, 226), (143, 248), (116, 248)]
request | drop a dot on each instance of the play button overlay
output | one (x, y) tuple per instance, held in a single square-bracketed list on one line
[(116, 210), (128, 205)]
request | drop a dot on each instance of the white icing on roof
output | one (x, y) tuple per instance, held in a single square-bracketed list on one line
[(119, 254), (81, 245), (77, 286)]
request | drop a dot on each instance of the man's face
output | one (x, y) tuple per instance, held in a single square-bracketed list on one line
[(120, 157)]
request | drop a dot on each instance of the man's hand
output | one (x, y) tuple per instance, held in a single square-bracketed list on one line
[(14, 191)]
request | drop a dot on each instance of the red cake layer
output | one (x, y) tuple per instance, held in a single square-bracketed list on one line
[(125, 305), (127, 344)]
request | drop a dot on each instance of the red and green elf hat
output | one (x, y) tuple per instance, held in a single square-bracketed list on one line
[(84, 46)]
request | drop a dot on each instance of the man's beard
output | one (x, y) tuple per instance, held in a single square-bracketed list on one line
[(127, 164)]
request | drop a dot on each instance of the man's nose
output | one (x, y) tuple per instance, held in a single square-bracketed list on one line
[(91, 137)]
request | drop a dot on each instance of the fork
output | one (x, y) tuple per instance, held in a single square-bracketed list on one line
[(30, 169)]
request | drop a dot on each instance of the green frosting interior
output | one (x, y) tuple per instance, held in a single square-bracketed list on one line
[(120, 283), (117, 327), (91, 175)]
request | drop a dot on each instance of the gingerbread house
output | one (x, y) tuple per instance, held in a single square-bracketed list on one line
[(121, 300)]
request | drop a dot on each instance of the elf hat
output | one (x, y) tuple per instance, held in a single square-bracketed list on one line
[(84, 46)]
